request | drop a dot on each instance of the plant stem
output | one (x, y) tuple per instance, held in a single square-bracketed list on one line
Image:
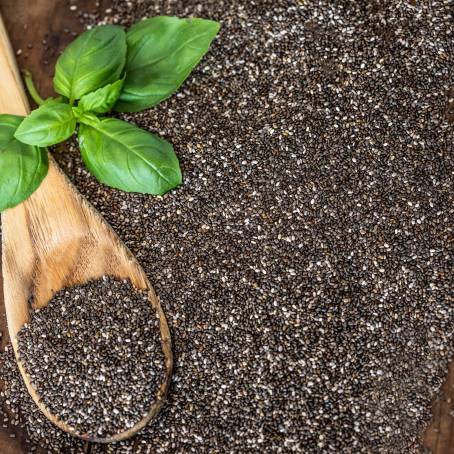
[(31, 88)]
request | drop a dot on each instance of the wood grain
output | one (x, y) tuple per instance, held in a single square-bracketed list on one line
[(55, 239)]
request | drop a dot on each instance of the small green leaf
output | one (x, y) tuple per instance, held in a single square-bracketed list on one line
[(162, 52), (92, 60), (125, 157), (103, 99), (77, 112), (87, 118), (22, 167), (51, 123)]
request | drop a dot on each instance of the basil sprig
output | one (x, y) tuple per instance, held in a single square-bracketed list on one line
[(104, 70)]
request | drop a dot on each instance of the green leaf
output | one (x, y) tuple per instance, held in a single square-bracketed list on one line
[(103, 99), (125, 157), (92, 60), (22, 167), (87, 118), (162, 52), (51, 123)]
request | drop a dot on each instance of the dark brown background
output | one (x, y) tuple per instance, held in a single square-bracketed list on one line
[(39, 30)]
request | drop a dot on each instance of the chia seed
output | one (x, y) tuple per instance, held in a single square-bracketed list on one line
[(306, 264), (94, 356)]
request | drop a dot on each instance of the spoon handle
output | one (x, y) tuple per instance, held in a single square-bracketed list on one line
[(12, 101), (12, 96)]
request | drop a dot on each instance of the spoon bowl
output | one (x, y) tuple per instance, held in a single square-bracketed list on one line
[(54, 240)]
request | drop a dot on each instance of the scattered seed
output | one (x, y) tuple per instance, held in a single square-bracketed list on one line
[(316, 310)]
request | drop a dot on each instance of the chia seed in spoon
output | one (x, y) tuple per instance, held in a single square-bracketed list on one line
[(94, 356)]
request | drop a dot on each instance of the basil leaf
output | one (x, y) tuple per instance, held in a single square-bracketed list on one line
[(125, 157), (92, 60), (22, 167), (51, 123), (87, 118), (162, 52), (103, 99)]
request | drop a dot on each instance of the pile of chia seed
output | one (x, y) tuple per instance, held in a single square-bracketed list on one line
[(306, 264), (94, 356)]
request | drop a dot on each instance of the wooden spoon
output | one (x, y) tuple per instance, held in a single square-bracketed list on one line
[(56, 239)]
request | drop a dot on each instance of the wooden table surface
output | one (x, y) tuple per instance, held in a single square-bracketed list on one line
[(39, 30)]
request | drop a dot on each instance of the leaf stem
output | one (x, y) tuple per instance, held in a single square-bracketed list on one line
[(31, 88)]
